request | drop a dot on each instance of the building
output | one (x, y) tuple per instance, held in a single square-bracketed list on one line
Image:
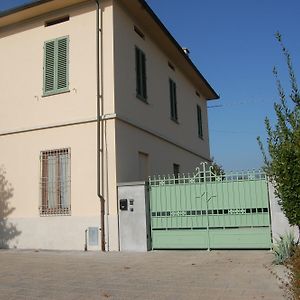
[(92, 94)]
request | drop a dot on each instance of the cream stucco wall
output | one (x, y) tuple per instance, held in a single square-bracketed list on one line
[(20, 157), (156, 114), (30, 123), (21, 84), (161, 154), (21, 76)]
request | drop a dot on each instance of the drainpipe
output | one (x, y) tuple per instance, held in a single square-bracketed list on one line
[(100, 160)]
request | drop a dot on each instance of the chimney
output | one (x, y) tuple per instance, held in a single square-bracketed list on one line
[(186, 51)]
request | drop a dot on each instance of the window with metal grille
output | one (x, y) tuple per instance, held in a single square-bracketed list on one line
[(173, 100), (199, 117), (56, 66), (55, 182), (141, 80)]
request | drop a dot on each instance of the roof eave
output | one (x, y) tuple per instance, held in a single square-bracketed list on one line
[(33, 9)]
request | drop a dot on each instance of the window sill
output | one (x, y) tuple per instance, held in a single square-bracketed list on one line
[(55, 93), (142, 99), (175, 121), (55, 212)]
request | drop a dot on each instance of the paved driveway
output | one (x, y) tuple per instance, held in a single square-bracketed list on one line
[(232, 275)]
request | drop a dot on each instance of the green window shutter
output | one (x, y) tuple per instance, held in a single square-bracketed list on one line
[(49, 67), (56, 66), (62, 63), (199, 117), (143, 71), (173, 100), (138, 72), (141, 79)]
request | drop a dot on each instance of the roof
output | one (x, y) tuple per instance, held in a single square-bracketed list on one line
[(51, 4)]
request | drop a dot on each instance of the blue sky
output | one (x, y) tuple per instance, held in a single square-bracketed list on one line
[(232, 43)]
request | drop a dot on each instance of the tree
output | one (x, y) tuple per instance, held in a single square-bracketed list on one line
[(216, 168), (282, 158)]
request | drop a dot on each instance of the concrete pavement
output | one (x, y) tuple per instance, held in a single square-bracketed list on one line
[(232, 275)]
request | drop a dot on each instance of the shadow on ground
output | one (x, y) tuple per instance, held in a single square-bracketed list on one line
[(8, 231)]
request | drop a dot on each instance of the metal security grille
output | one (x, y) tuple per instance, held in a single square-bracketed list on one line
[(55, 182), (204, 210)]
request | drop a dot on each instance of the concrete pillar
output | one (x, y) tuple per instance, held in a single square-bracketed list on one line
[(280, 223)]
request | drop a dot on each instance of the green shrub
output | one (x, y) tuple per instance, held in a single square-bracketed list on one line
[(284, 247)]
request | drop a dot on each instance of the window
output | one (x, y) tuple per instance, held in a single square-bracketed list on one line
[(56, 66), (55, 182), (173, 100), (140, 66), (57, 21), (199, 117), (176, 170)]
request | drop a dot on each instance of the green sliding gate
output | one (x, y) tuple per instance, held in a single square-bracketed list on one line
[(206, 211)]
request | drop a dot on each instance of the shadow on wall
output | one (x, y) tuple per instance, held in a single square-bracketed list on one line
[(8, 231)]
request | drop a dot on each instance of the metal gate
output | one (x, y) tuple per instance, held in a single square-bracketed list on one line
[(207, 211)]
